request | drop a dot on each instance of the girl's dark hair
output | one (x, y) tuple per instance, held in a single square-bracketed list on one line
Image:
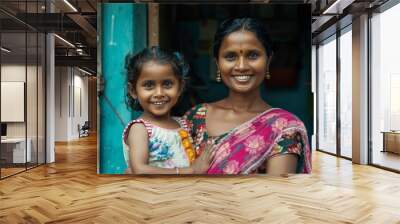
[(134, 64), (248, 24)]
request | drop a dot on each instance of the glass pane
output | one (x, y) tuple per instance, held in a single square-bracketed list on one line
[(23, 79), (327, 96), (385, 86), (32, 85), (13, 85), (41, 99), (345, 94), (31, 101)]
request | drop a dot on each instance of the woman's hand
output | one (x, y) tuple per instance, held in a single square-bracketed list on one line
[(202, 163)]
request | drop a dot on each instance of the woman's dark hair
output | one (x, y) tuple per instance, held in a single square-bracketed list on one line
[(248, 24), (134, 64)]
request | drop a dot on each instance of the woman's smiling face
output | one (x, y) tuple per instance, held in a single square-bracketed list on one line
[(242, 60)]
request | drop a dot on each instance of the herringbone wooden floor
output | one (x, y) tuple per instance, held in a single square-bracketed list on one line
[(70, 191)]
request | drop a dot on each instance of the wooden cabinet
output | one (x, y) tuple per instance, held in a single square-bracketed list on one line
[(391, 141)]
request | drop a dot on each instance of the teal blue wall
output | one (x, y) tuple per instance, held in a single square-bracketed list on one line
[(122, 31)]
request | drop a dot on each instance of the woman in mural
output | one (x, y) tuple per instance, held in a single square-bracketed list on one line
[(246, 134)]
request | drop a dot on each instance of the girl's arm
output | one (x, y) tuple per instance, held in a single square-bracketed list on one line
[(139, 154)]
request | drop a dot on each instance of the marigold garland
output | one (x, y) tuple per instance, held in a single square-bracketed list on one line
[(187, 145)]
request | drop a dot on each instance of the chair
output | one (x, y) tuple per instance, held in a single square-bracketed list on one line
[(84, 130)]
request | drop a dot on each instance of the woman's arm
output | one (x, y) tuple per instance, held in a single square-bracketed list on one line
[(139, 154), (287, 152), (282, 164)]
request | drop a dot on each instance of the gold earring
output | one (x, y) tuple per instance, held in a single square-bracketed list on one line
[(218, 78), (267, 75)]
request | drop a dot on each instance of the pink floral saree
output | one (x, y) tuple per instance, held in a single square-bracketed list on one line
[(247, 147)]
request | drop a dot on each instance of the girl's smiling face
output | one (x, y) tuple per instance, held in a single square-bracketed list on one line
[(157, 89), (242, 60)]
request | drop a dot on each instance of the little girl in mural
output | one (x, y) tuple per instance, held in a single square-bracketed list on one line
[(156, 142)]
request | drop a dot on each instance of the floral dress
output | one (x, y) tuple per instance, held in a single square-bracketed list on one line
[(168, 148), (243, 150)]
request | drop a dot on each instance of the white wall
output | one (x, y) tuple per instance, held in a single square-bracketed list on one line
[(61, 103), (12, 73), (71, 102), (16, 73), (80, 110)]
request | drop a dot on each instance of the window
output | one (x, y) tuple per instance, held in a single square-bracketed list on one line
[(327, 96), (385, 85), (346, 93)]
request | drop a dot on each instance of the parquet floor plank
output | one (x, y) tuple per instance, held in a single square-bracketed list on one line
[(70, 191)]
